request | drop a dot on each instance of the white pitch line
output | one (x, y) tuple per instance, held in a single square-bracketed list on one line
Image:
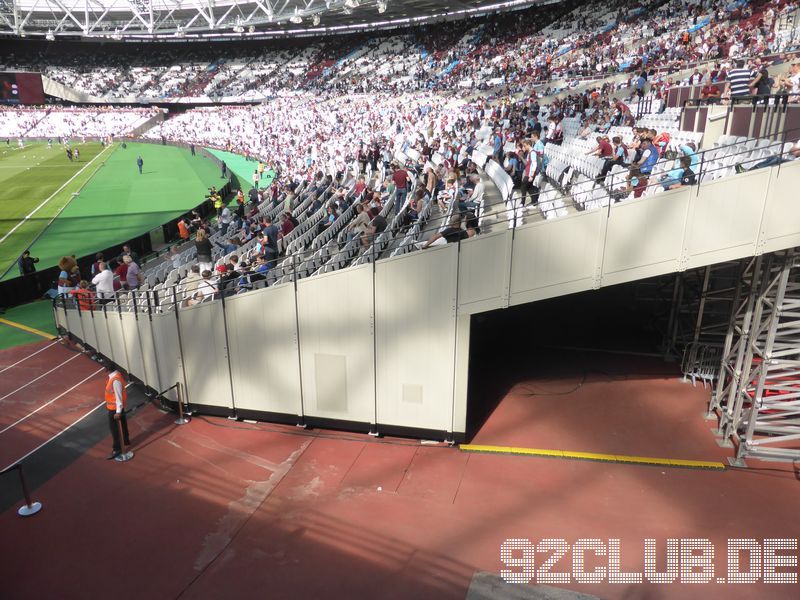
[(49, 402), (39, 377), (37, 164), (35, 210), (29, 355), (67, 428)]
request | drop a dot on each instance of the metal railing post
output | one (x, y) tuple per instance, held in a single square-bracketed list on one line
[(178, 332)]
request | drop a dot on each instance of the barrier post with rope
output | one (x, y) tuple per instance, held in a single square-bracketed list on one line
[(182, 419), (30, 507)]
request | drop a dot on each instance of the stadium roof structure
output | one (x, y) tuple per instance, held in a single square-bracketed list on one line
[(228, 19)]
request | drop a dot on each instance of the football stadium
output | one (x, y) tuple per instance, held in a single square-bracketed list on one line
[(469, 299)]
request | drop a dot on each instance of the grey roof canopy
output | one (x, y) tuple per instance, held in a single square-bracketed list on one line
[(160, 19)]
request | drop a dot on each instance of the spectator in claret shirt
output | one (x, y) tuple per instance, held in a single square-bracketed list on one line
[(286, 224), (603, 148), (361, 185), (400, 179), (710, 92)]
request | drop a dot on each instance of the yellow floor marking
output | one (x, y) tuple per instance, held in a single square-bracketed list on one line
[(592, 456)]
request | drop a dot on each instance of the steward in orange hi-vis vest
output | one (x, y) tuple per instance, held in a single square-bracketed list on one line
[(111, 397), (117, 421)]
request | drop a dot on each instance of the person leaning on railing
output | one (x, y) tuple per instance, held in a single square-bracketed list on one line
[(771, 161), (684, 177), (83, 295)]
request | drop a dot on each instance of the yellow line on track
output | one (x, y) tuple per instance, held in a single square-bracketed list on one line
[(591, 456), (49, 336)]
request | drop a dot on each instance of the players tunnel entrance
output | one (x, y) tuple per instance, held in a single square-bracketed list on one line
[(548, 349)]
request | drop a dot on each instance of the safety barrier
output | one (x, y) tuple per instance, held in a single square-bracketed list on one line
[(384, 346)]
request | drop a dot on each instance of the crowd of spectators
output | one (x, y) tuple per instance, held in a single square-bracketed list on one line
[(332, 118), (64, 123), (106, 278), (541, 49)]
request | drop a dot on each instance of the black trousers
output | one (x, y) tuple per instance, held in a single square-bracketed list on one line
[(528, 189), (607, 166), (112, 425)]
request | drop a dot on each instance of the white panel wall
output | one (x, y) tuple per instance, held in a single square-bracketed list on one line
[(60, 318), (75, 324), (165, 342), (396, 353), (265, 359), (552, 258), (781, 225), (205, 355), (118, 347), (644, 237), (483, 274), (133, 348), (100, 320), (150, 359), (461, 375), (87, 326), (415, 338), (725, 217), (336, 345)]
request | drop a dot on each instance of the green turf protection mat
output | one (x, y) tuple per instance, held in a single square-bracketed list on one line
[(243, 168), (41, 179), (11, 337), (38, 315), (118, 203)]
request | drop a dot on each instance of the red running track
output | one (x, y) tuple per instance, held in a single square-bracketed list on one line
[(45, 388)]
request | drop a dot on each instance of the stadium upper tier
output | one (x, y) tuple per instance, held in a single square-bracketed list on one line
[(57, 122), (542, 49)]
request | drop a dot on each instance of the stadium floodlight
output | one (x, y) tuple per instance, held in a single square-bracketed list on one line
[(315, 20), (351, 3), (238, 27), (180, 32), (251, 29), (50, 37), (382, 7), (296, 18), (116, 35)]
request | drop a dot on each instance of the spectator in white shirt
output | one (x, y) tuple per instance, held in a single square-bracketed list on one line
[(104, 283)]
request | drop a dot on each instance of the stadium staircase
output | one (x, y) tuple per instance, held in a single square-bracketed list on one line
[(148, 124)]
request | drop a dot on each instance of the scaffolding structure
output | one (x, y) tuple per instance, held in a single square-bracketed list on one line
[(757, 393), (702, 302)]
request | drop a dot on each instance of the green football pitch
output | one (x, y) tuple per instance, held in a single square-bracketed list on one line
[(56, 207)]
